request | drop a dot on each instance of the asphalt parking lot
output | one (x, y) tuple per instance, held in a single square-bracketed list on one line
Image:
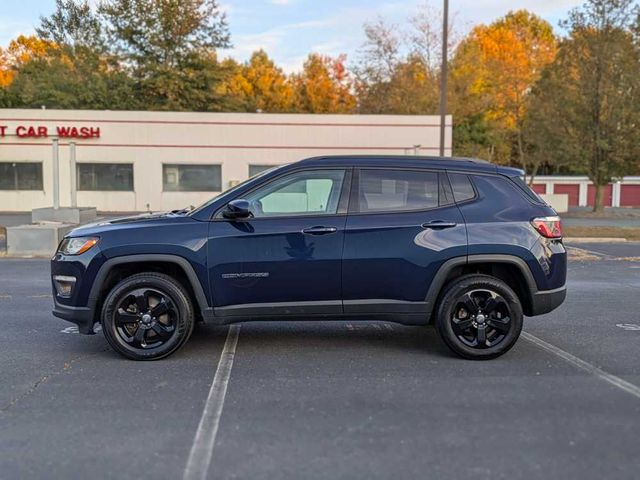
[(328, 400)]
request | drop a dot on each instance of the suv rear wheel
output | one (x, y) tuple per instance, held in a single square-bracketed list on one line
[(479, 317), (147, 316)]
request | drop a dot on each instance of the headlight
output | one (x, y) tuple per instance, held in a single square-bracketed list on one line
[(77, 246)]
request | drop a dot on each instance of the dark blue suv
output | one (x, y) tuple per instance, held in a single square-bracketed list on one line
[(460, 244)]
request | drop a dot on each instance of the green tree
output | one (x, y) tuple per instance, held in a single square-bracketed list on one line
[(73, 68), (75, 26), (588, 101), (169, 48), (57, 82), (135, 54)]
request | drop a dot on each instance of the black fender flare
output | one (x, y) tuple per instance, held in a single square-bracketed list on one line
[(443, 272), (182, 262)]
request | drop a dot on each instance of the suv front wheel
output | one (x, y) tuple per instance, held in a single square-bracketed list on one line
[(147, 316), (479, 317)]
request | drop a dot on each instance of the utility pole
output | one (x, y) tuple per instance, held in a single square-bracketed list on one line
[(443, 75)]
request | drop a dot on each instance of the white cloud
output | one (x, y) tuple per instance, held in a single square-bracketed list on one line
[(281, 2)]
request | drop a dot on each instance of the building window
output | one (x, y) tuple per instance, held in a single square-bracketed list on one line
[(20, 176), (192, 178), (256, 169), (105, 176)]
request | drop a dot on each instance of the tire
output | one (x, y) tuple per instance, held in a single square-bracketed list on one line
[(147, 316), (474, 308)]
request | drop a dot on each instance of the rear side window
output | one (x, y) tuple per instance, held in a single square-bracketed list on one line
[(461, 186), (527, 190), (397, 190)]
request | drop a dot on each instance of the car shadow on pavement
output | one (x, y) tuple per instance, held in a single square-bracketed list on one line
[(343, 335)]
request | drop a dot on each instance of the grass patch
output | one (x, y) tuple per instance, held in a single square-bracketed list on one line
[(632, 234)]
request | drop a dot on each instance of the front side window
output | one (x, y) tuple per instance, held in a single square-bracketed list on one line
[(315, 192), (105, 176), (20, 176), (397, 190), (191, 178)]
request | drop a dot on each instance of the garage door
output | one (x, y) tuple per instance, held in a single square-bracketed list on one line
[(572, 190), (607, 195), (630, 195), (539, 188)]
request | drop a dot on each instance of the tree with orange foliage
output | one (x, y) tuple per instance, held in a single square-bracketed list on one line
[(492, 74), (19, 52), (259, 85), (324, 86)]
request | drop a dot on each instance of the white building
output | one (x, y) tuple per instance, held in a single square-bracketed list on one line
[(138, 161)]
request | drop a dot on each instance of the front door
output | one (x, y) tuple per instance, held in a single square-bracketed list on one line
[(286, 259), (402, 225)]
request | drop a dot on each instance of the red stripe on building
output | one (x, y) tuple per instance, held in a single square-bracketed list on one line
[(219, 122), (231, 147)]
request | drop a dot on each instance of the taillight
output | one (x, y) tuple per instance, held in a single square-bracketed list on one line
[(548, 227)]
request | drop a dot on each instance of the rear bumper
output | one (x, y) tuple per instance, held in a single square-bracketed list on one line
[(544, 301), (82, 316)]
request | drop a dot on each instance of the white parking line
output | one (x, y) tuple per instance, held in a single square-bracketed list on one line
[(586, 366), (204, 441)]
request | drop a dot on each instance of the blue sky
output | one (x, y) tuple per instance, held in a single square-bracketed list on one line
[(289, 29)]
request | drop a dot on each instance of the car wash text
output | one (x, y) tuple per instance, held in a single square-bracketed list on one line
[(40, 131)]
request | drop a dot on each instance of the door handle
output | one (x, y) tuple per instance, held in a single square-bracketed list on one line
[(438, 224), (319, 230)]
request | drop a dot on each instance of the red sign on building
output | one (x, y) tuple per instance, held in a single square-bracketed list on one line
[(62, 131)]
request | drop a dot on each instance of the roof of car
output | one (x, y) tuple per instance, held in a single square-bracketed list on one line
[(449, 163)]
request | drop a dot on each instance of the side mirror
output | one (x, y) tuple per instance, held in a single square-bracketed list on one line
[(237, 209)]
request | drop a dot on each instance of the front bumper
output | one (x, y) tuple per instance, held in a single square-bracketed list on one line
[(544, 301), (83, 317), (76, 308)]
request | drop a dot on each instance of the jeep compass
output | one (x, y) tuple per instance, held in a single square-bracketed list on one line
[(460, 244)]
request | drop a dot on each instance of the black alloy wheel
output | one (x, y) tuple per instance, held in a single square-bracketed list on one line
[(479, 317), (147, 316)]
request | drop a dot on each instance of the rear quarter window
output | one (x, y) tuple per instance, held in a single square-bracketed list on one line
[(499, 192), (462, 187), (533, 196)]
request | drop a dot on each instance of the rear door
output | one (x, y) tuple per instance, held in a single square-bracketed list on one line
[(402, 226)]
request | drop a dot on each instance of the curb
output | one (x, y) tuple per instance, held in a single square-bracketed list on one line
[(595, 240)]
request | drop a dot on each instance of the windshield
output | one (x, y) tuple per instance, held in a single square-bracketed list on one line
[(232, 190)]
